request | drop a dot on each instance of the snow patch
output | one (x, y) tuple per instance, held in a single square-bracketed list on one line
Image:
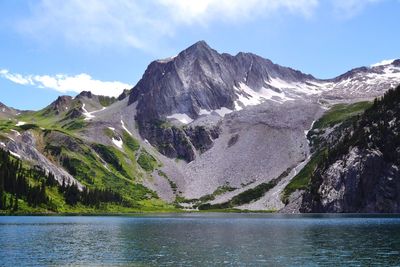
[(308, 88), (249, 97), (89, 115), (182, 117), (2, 144), (204, 112), (383, 62), (20, 123), (111, 128), (307, 131), (117, 142), (126, 129), (166, 60), (223, 111), (14, 154)]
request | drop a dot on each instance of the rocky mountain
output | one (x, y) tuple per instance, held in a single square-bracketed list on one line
[(200, 130), (7, 112), (360, 170), (364, 82), (199, 82)]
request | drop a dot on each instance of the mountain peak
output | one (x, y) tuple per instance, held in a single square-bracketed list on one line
[(200, 48), (87, 94), (200, 45), (197, 49)]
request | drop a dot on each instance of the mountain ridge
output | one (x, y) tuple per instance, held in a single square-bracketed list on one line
[(198, 129)]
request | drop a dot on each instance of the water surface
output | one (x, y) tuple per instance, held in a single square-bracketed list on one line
[(201, 240)]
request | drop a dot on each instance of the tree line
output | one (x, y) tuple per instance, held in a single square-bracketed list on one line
[(31, 183)]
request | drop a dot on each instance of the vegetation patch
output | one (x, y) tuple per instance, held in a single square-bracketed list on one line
[(29, 126), (106, 101), (302, 179), (147, 161), (74, 125), (340, 112), (109, 156), (247, 196), (219, 191), (109, 133), (6, 125), (130, 142)]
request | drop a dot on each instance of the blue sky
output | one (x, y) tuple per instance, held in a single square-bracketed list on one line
[(55, 47)]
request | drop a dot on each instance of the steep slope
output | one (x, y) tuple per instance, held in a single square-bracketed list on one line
[(359, 168), (61, 145), (7, 112), (200, 82)]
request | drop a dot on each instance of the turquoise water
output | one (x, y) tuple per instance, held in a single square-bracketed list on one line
[(201, 240)]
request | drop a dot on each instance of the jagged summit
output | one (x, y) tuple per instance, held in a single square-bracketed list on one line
[(60, 105), (199, 49), (199, 80), (2, 105), (87, 94)]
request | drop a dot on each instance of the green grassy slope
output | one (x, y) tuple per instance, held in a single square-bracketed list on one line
[(96, 166), (338, 114)]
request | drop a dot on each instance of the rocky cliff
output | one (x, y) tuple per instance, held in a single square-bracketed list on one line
[(360, 172)]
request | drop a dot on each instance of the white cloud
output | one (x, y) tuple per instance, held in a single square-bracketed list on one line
[(16, 78), (350, 8), (233, 10), (64, 83), (141, 24)]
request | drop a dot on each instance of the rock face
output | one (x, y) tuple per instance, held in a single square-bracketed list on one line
[(197, 82), (362, 181), (7, 112), (361, 171), (24, 146), (364, 82), (60, 105), (200, 78)]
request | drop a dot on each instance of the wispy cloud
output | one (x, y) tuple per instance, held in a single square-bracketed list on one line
[(206, 11), (16, 78), (350, 8), (140, 24), (65, 83)]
